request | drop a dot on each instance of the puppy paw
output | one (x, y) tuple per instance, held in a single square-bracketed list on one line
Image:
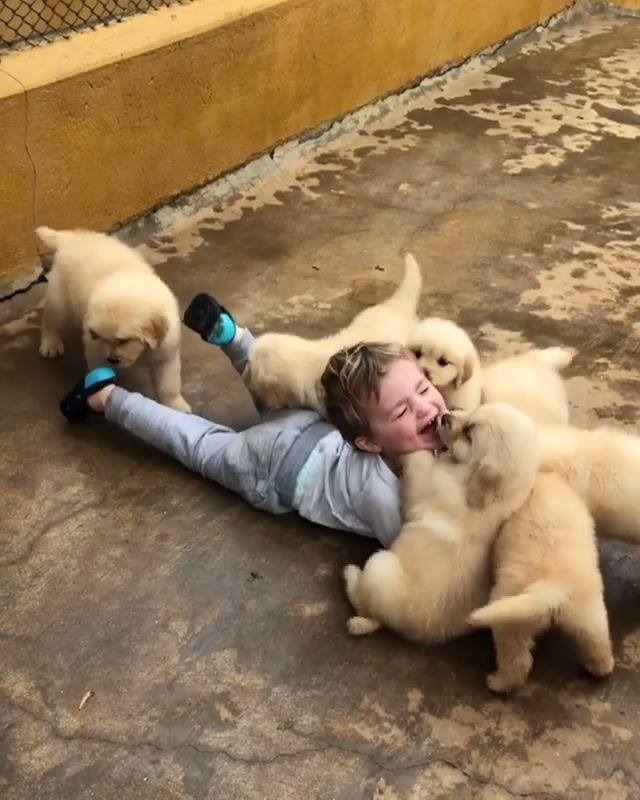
[(50, 347), (601, 666), (179, 404), (499, 683), (360, 626)]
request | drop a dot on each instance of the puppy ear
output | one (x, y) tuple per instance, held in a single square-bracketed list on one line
[(155, 331), (465, 372), (483, 485)]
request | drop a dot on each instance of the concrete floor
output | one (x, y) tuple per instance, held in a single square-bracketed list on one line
[(213, 636)]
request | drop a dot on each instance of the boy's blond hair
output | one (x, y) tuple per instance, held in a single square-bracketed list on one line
[(352, 378)]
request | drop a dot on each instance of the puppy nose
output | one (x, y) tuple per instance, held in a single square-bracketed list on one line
[(113, 359), (446, 420)]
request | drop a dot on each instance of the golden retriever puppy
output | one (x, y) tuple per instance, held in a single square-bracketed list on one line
[(450, 361), (437, 570), (531, 382), (546, 572), (285, 370), (603, 466), (127, 314)]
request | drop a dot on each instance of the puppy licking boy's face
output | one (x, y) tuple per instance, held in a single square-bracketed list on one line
[(495, 430), (495, 440)]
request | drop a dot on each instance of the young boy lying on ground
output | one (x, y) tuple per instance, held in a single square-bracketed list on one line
[(341, 474)]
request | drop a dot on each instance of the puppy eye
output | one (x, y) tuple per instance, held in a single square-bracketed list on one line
[(417, 351), (467, 429), (442, 361), (121, 341), (93, 334)]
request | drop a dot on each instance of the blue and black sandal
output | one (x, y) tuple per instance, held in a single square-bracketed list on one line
[(212, 321), (74, 406)]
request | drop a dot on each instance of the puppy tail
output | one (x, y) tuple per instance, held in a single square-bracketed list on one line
[(537, 600), (49, 237), (556, 358), (407, 296), (352, 575)]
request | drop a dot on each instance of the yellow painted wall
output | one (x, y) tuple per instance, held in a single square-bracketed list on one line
[(122, 119), (17, 251)]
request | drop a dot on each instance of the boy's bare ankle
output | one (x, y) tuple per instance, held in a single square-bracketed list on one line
[(98, 401)]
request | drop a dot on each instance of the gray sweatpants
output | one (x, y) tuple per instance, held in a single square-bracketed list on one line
[(259, 463)]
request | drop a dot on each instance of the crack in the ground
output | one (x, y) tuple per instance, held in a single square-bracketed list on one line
[(14, 637), (429, 762), (317, 746), (128, 745), (47, 528)]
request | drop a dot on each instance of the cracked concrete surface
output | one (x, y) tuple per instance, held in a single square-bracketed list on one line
[(213, 636)]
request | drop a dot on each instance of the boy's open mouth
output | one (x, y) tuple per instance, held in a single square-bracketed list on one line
[(429, 428)]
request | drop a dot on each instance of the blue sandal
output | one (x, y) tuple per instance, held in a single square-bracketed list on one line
[(212, 321), (74, 405)]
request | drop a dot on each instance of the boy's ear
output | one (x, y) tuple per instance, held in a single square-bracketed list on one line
[(366, 444)]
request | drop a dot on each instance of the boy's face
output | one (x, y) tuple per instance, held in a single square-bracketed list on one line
[(404, 417)]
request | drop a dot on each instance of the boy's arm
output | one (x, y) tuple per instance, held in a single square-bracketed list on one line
[(378, 505)]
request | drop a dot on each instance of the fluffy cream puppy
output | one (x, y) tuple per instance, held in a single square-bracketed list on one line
[(531, 382), (450, 361), (285, 370), (437, 570), (546, 572), (603, 466), (127, 314)]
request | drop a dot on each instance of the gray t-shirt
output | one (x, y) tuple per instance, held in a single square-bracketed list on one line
[(345, 488)]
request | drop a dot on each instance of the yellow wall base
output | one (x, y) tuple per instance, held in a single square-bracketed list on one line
[(105, 126)]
